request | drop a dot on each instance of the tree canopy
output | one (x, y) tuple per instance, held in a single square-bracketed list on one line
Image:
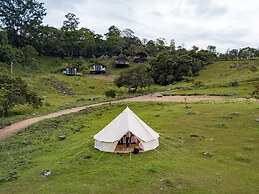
[(14, 91), (71, 22), (134, 79), (21, 18)]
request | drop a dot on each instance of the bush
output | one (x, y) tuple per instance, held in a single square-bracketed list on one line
[(255, 93), (110, 93), (197, 84), (188, 79), (253, 68), (234, 83)]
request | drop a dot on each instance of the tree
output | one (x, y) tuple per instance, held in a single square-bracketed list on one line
[(50, 41), (128, 33), (14, 91), (113, 31), (234, 54), (246, 53), (151, 48), (30, 55), (134, 78), (211, 48), (71, 24), (10, 54), (21, 18), (113, 41), (3, 37), (162, 66)]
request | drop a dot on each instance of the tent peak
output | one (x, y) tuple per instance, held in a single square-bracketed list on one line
[(127, 109)]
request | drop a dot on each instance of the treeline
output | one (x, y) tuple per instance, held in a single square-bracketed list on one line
[(22, 21), (23, 38)]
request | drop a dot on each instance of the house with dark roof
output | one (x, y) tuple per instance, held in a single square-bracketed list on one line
[(121, 62), (140, 57)]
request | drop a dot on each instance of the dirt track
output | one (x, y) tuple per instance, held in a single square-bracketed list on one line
[(18, 126)]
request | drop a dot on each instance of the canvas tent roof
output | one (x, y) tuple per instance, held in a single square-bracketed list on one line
[(124, 122)]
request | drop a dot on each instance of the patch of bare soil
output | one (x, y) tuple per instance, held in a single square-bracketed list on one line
[(60, 86)]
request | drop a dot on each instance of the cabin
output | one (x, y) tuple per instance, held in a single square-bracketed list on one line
[(140, 57), (121, 62), (97, 68), (71, 71)]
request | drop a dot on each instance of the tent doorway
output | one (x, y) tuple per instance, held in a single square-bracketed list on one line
[(127, 143)]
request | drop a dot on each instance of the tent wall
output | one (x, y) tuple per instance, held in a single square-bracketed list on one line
[(105, 146), (149, 145)]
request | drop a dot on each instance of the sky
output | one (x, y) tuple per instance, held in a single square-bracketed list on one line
[(226, 24)]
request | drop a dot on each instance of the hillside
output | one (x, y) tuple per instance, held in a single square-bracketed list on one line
[(225, 78), (59, 91), (203, 147)]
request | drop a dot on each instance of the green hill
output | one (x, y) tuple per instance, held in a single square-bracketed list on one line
[(226, 78), (59, 91), (204, 147)]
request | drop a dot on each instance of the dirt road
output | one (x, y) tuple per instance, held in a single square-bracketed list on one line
[(18, 126)]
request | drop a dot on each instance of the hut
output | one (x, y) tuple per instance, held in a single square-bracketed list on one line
[(121, 62), (72, 71), (140, 57), (97, 68)]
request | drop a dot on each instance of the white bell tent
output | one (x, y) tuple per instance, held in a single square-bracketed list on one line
[(127, 121)]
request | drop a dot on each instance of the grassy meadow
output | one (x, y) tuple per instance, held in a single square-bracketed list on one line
[(219, 79), (204, 148)]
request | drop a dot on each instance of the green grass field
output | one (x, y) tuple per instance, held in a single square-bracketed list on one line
[(204, 148), (217, 78)]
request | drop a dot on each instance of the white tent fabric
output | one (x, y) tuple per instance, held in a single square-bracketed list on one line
[(107, 139)]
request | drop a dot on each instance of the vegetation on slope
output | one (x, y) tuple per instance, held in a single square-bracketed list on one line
[(228, 78)]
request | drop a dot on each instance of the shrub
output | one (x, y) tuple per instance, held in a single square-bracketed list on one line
[(197, 84), (253, 68), (110, 93), (255, 93), (234, 83)]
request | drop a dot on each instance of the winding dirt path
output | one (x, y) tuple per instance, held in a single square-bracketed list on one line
[(18, 126)]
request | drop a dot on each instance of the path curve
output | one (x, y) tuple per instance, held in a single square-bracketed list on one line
[(18, 126)]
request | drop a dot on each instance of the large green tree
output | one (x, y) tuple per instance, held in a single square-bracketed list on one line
[(113, 41), (21, 18), (10, 54), (14, 91), (134, 79), (71, 22)]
